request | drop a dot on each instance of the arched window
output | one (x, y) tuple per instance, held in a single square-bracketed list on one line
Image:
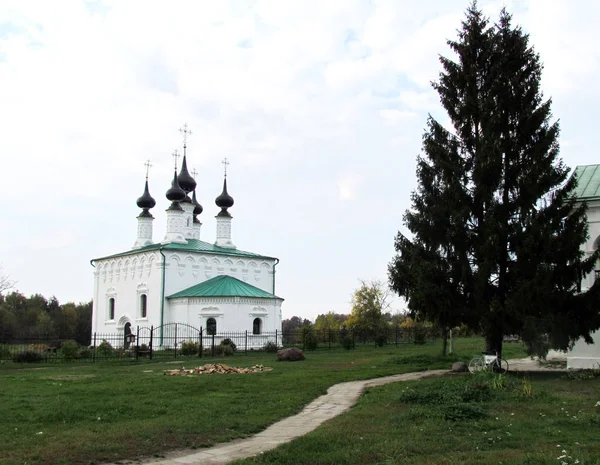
[(211, 326), (143, 305), (257, 326), (111, 308)]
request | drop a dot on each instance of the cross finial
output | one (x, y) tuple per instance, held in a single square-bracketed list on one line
[(186, 132), (194, 173), (148, 165), (175, 157), (225, 163)]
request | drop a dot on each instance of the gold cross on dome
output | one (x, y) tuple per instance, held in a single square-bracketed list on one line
[(225, 164)]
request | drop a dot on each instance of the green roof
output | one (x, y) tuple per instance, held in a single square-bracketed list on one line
[(223, 286), (193, 245), (588, 182)]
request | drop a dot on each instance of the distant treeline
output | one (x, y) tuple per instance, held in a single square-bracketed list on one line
[(23, 318)]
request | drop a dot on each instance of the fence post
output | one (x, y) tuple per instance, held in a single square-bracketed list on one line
[(329, 337), (353, 341), (150, 349), (246, 343), (276, 339), (200, 343), (175, 340), (94, 351), (137, 343), (213, 344)]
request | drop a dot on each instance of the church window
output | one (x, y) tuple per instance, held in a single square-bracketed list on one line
[(211, 326), (257, 326), (111, 308), (143, 305)]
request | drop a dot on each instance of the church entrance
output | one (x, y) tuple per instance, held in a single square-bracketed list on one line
[(127, 335)]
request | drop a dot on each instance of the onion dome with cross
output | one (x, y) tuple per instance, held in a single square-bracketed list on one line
[(146, 201), (224, 201)]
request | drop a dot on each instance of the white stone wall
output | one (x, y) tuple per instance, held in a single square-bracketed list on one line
[(185, 269), (125, 279), (588, 355)]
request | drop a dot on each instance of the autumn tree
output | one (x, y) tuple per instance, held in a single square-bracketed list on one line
[(369, 304)]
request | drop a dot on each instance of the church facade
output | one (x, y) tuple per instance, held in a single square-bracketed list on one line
[(585, 355), (184, 279)]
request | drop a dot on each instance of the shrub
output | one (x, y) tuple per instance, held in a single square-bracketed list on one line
[(420, 334), (221, 350), (347, 342), (69, 350), (230, 343), (187, 348), (105, 349), (86, 353), (270, 346), (309, 340), (4, 352), (28, 356)]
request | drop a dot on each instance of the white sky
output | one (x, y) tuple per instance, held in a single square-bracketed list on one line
[(319, 105)]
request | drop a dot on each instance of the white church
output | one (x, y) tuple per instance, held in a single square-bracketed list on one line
[(182, 278), (588, 190)]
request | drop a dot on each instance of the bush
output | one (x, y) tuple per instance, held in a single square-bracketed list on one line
[(221, 350), (187, 348), (4, 352), (309, 340), (347, 342), (86, 353), (230, 343), (28, 356), (270, 347), (105, 349), (420, 335), (69, 350)]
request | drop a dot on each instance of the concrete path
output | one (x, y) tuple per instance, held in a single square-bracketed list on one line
[(339, 398)]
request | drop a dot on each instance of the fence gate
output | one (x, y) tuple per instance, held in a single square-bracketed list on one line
[(168, 338)]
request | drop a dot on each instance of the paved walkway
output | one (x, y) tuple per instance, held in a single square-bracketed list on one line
[(339, 398)]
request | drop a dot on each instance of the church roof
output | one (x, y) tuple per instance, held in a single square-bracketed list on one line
[(223, 286), (193, 245), (588, 182)]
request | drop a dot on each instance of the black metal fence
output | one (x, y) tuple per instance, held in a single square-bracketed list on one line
[(174, 340)]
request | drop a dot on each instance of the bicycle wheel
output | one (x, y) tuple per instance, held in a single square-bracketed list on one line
[(476, 364), (504, 365)]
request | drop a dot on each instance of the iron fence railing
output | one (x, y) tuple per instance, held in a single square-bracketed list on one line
[(174, 340)]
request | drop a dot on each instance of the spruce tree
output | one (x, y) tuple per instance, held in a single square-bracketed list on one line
[(496, 234)]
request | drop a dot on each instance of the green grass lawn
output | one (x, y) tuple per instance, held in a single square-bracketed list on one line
[(459, 419), (81, 414)]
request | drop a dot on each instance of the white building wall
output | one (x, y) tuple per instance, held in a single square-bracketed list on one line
[(588, 355), (125, 279)]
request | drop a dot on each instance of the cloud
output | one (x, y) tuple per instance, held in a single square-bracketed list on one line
[(319, 106)]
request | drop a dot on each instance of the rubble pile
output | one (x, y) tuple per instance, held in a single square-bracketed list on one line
[(216, 368)]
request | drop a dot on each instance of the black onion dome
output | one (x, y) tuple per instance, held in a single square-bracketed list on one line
[(197, 207), (146, 201), (186, 182), (175, 193), (224, 200)]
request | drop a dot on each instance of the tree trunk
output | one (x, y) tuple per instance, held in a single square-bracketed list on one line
[(451, 343), (444, 340)]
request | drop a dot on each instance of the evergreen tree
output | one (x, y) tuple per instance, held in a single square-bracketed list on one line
[(496, 232)]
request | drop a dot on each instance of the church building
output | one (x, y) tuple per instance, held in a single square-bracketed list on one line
[(211, 285), (585, 355)]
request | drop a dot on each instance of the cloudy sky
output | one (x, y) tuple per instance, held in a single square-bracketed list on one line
[(319, 105)]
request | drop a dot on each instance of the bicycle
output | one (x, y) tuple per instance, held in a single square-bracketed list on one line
[(488, 362)]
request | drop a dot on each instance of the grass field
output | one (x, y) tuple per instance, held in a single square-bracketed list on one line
[(460, 419), (74, 414)]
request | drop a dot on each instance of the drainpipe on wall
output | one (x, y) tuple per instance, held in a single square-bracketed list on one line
[(162, 294), (274, 265), (94, 300)]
